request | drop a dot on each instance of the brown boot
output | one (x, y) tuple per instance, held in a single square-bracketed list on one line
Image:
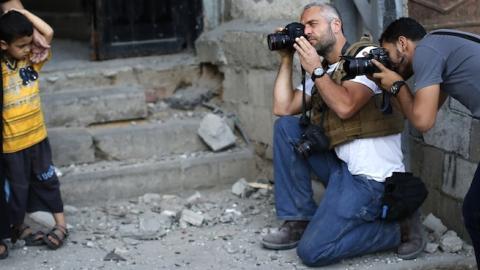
[(413, 238), (286, 237)]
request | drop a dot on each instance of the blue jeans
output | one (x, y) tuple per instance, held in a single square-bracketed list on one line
[(346, 223), (471, 213)]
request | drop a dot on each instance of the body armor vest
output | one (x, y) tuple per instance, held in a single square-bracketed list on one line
[(369, 121)]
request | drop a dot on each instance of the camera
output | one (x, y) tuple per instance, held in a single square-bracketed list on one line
[(363, 65), (313, 140), (286, 38)]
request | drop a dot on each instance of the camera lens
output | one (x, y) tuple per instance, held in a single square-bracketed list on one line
[(277, 41), (303, 148)]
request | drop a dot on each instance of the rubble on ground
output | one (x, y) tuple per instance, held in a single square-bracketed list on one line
[(215, 132)]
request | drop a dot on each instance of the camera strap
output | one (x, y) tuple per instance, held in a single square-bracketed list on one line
[(456, 34)]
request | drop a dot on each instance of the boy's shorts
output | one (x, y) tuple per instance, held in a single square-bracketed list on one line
[(34, 185)]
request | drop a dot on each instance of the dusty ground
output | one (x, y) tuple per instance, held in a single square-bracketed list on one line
[(140, 235)]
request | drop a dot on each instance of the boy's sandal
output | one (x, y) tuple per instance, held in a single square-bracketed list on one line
[(4, 254), (25, 233), (59, 233)]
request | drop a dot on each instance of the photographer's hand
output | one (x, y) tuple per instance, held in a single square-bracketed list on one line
[(309, 58), (386, 77)]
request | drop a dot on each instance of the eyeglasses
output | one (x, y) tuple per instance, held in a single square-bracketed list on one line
[(28, 75)]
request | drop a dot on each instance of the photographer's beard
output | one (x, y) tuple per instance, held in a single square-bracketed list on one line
[(326, 43)]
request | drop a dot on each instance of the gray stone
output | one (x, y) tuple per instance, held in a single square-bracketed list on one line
[(216, 133), (112, 256), (258, 122), (113, 180), (474, 139), (148, 140), (173, 204), (150, 198), (240, 187), (192, 218), (445, 134), (194, 198), (71, 146), (149, 225), (190, 97), (450, 242), (431, 247), (459, 176), (81, 108), (435, 225)]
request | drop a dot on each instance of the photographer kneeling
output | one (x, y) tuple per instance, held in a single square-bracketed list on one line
[(363, 150)]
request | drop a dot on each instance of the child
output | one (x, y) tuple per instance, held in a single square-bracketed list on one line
[(27, 154)]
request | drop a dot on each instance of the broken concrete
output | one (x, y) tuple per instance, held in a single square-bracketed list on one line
[(216, 132), (190, 97)]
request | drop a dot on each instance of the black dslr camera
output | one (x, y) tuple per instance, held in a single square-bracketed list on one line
[(363, 65), (286, 38), (313, 140)]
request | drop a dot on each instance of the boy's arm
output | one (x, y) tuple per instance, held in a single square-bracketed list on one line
[(42, 27), (7, 5)]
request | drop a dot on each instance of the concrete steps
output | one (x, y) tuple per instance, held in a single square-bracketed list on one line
[(100, 105), (104, 181), (113, 135)]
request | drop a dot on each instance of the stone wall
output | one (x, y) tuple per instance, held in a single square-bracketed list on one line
[(446, 158)]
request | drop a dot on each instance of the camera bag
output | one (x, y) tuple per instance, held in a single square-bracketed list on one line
[(404, 194)]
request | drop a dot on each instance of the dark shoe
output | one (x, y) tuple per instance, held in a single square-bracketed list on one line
[(23, 232), (4, 254), (413, 238), (56, 237), (286, 237)]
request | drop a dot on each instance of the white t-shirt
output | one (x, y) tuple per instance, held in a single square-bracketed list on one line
[(376, 158)]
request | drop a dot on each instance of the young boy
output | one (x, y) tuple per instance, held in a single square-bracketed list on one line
[(27, 155)]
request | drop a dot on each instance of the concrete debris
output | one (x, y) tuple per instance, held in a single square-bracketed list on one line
[(70, 210), (114, 257), (149, 225), (216, 133), (196, 197), (192, 218), (435, 225), (431, 247), (190, 97), (43, 218), (150, 198), (450, 242), (240, 188)]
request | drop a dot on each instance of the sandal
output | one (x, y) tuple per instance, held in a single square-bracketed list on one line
[(59, 233), (24, 233), (4, 254)]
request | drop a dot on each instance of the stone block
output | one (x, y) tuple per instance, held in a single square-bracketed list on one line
[(268, 10), (148, 140), (458, 177), (475, 141), (115, 180), (458, 107), (260, 87), (435, 225), (451, 132), (71, 146), (190, 97), (450, 242), (192, 218), (258, 122), (239, 43), (432, 166), (81, 108), (215, 132), (415, 156), (234, 87)]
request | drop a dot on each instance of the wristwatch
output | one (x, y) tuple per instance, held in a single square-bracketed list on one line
[(317, 73), (396, 87)]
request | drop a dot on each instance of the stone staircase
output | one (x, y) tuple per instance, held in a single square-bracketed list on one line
[(114, 136)]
